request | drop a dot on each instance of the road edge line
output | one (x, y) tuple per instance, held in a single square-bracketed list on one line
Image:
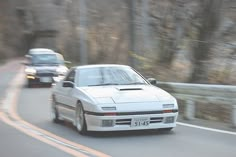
[(206, 128), (72, 152)]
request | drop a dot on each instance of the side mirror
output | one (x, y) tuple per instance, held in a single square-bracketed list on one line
[(58, 79), (28, 56), (153, 81), (68, 84)]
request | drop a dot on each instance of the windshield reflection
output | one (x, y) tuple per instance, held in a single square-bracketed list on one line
[(104, 76)]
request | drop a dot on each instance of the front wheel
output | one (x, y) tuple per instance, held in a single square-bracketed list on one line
[(80, 119)]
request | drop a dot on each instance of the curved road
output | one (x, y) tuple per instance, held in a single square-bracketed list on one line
[(14, 143), (33, 107)]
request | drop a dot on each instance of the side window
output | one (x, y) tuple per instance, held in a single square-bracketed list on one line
[(71, 76)]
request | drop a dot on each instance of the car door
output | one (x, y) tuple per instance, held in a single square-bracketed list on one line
[(68, 102)]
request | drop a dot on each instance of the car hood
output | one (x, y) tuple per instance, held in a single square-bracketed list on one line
[(129, 93)]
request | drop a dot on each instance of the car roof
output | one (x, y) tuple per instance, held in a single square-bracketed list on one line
[(41, 51), (100, 66)]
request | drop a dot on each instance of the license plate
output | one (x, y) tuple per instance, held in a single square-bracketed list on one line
[(140, 121), (46, 79)]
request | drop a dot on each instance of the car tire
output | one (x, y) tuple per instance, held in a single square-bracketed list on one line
[(55, 113), (80, 121)]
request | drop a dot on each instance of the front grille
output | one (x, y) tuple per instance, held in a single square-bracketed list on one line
[(123, 122), (46, 74), (156, 120)]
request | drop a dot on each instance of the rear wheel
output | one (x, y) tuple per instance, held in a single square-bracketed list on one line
[(80, 119)]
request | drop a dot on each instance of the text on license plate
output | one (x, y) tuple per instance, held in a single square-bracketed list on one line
[(46, 79), (140, 121)]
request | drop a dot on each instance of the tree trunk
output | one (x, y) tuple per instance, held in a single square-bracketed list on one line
[(132, 29), (209, 20)]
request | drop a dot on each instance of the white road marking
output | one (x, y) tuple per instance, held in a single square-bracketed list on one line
[(206, 128)]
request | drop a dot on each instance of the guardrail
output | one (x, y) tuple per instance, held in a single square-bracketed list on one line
[(192, 93)]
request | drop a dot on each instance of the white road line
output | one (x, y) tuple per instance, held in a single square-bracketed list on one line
[(206, 128)]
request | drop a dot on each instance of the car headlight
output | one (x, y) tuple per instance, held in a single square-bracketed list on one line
[(30, 71), (168, 105), (62, 70), (105, 101)]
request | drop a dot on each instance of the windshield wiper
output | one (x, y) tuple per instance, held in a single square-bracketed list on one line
[(105, 84)]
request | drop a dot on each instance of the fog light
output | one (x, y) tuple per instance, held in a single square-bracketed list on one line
[(169, 120), (107, 123)]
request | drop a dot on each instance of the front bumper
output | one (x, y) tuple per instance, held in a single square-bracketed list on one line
[(36, 79), (121, 123)]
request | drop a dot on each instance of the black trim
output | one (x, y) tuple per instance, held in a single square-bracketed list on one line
[(127, 89), (66, 106), (94, 113), (128, 113)]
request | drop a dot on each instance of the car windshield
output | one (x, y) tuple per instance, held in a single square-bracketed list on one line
[(40, 59), (104, 76)]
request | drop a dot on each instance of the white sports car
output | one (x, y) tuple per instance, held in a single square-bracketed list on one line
[(111, 98)]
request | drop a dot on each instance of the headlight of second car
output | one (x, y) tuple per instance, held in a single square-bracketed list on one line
[(62, 70), (30, 71)]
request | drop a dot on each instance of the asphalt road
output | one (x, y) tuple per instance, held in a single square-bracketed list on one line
[(12, 142), (34, 107)]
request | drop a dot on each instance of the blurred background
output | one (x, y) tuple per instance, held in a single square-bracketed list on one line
[(171, 40), (190, 41)]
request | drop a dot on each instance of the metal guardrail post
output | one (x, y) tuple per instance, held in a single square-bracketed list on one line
[(208, 94), (234, 115), (189, 113)]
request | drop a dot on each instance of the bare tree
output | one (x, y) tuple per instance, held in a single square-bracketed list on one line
[(209, 19), (132, 29), (172, 31)]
